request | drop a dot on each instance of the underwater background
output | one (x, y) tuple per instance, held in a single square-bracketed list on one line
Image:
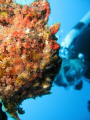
[(62, 104)]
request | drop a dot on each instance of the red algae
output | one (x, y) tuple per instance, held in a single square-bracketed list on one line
[(29, 53)]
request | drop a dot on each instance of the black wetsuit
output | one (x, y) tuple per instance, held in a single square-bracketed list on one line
[(82, 44)]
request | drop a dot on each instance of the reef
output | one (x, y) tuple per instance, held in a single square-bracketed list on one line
[(29, 53)]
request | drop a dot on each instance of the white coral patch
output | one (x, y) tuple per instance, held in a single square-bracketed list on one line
[(45, 85), (27, 30)]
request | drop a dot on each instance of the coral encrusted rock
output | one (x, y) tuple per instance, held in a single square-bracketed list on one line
[(29, 54)]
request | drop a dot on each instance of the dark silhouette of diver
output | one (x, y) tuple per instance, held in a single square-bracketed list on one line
[(76, 56), (3, 115)]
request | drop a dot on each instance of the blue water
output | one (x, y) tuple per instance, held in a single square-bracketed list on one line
[(62, 104)]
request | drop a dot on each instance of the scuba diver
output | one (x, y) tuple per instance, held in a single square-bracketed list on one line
[(3, 115), (75, 52)]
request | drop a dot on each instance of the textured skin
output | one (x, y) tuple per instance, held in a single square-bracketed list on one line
[(29, 58)]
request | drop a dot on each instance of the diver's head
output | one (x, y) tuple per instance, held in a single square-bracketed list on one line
[(70, 74), (73, 69)]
